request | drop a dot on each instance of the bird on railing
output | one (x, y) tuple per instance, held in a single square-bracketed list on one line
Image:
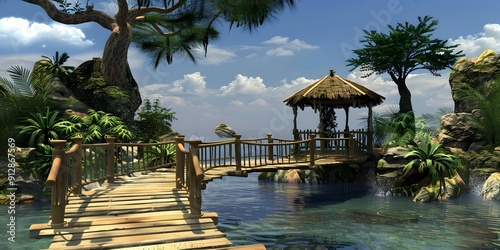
[(224, 131)]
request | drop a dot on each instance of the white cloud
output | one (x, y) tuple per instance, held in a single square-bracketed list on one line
[(279, 52), (214, 55), (191, 83), (284, 47), (474, 45), (236, 104), (375, 83), (260, 103), (243, 85), (17, 32), (278, 40)]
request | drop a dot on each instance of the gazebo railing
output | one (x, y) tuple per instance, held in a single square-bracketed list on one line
[(361, 136)]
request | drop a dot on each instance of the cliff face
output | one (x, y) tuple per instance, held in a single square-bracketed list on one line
[(475, 73)]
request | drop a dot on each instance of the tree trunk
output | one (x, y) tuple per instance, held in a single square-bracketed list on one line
[(404, 97), (114, 58)]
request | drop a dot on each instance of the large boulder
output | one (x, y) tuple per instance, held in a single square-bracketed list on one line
[(88, 85), (474, 72), (65, 99), (458, 131), (491, 188)]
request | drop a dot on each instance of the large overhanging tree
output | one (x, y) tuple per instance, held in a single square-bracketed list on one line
[(182, 25), (407, 48)]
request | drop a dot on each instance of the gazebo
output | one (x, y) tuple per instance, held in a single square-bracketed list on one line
[(334, 92)]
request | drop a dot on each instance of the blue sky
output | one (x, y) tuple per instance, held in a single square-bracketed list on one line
[(245, 77)]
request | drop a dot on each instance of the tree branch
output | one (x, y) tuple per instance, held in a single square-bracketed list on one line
[(135, 12), (88, 16)]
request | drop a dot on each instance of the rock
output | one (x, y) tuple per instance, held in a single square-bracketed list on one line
[(88, 85), (452, 189), (474, 73), (458, 131), (491, 188), (25, 154), (64, 98)]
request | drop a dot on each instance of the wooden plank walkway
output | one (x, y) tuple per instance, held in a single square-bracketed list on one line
[(141, 212)]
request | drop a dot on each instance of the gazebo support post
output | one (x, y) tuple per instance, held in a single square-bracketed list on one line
[(346, 130), (370, 129), (295, 131)]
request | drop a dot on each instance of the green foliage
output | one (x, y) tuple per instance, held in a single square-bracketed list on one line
[(40, 167), (23, 94), (55, 66), (487, 100), (429, 155), (433, 121), (95, 126), (153, 121), (192, 25), (159, 155), (41, 127), (159, 45), (405, 49)]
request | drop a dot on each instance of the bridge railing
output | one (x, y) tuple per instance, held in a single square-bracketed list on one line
[(83, 164), (189, 174)]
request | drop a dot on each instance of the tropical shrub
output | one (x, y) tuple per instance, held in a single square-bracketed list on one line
[(40, 167), (153, 121), (23, 94), (95, 126), (158, 155), (432, 156), (487, 100), (41, 127)]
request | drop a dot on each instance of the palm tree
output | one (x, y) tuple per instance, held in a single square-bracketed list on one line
[(153, 35), (429, 155), (55, 66), (23, 94)]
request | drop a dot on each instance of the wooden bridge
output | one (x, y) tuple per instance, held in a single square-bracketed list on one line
[(146, 202)]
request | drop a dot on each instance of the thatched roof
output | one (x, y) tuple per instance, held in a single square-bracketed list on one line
[(335, 91)]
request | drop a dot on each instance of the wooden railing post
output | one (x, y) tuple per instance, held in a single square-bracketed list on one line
[(57, 181), (111, 159), (351, 145), (77, 165), (195, 198), (179, 161), (312, 148), (237, 151), (270, 147), (370, 141)]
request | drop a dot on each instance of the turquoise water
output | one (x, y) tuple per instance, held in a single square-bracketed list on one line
[(310, 216), (25, 215)]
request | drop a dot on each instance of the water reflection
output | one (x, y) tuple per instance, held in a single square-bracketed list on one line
[(303, 216)]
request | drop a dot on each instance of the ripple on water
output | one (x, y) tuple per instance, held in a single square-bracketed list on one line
[(303, 216)]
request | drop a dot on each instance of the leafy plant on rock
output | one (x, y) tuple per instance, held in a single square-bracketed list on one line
[(431, 155)]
